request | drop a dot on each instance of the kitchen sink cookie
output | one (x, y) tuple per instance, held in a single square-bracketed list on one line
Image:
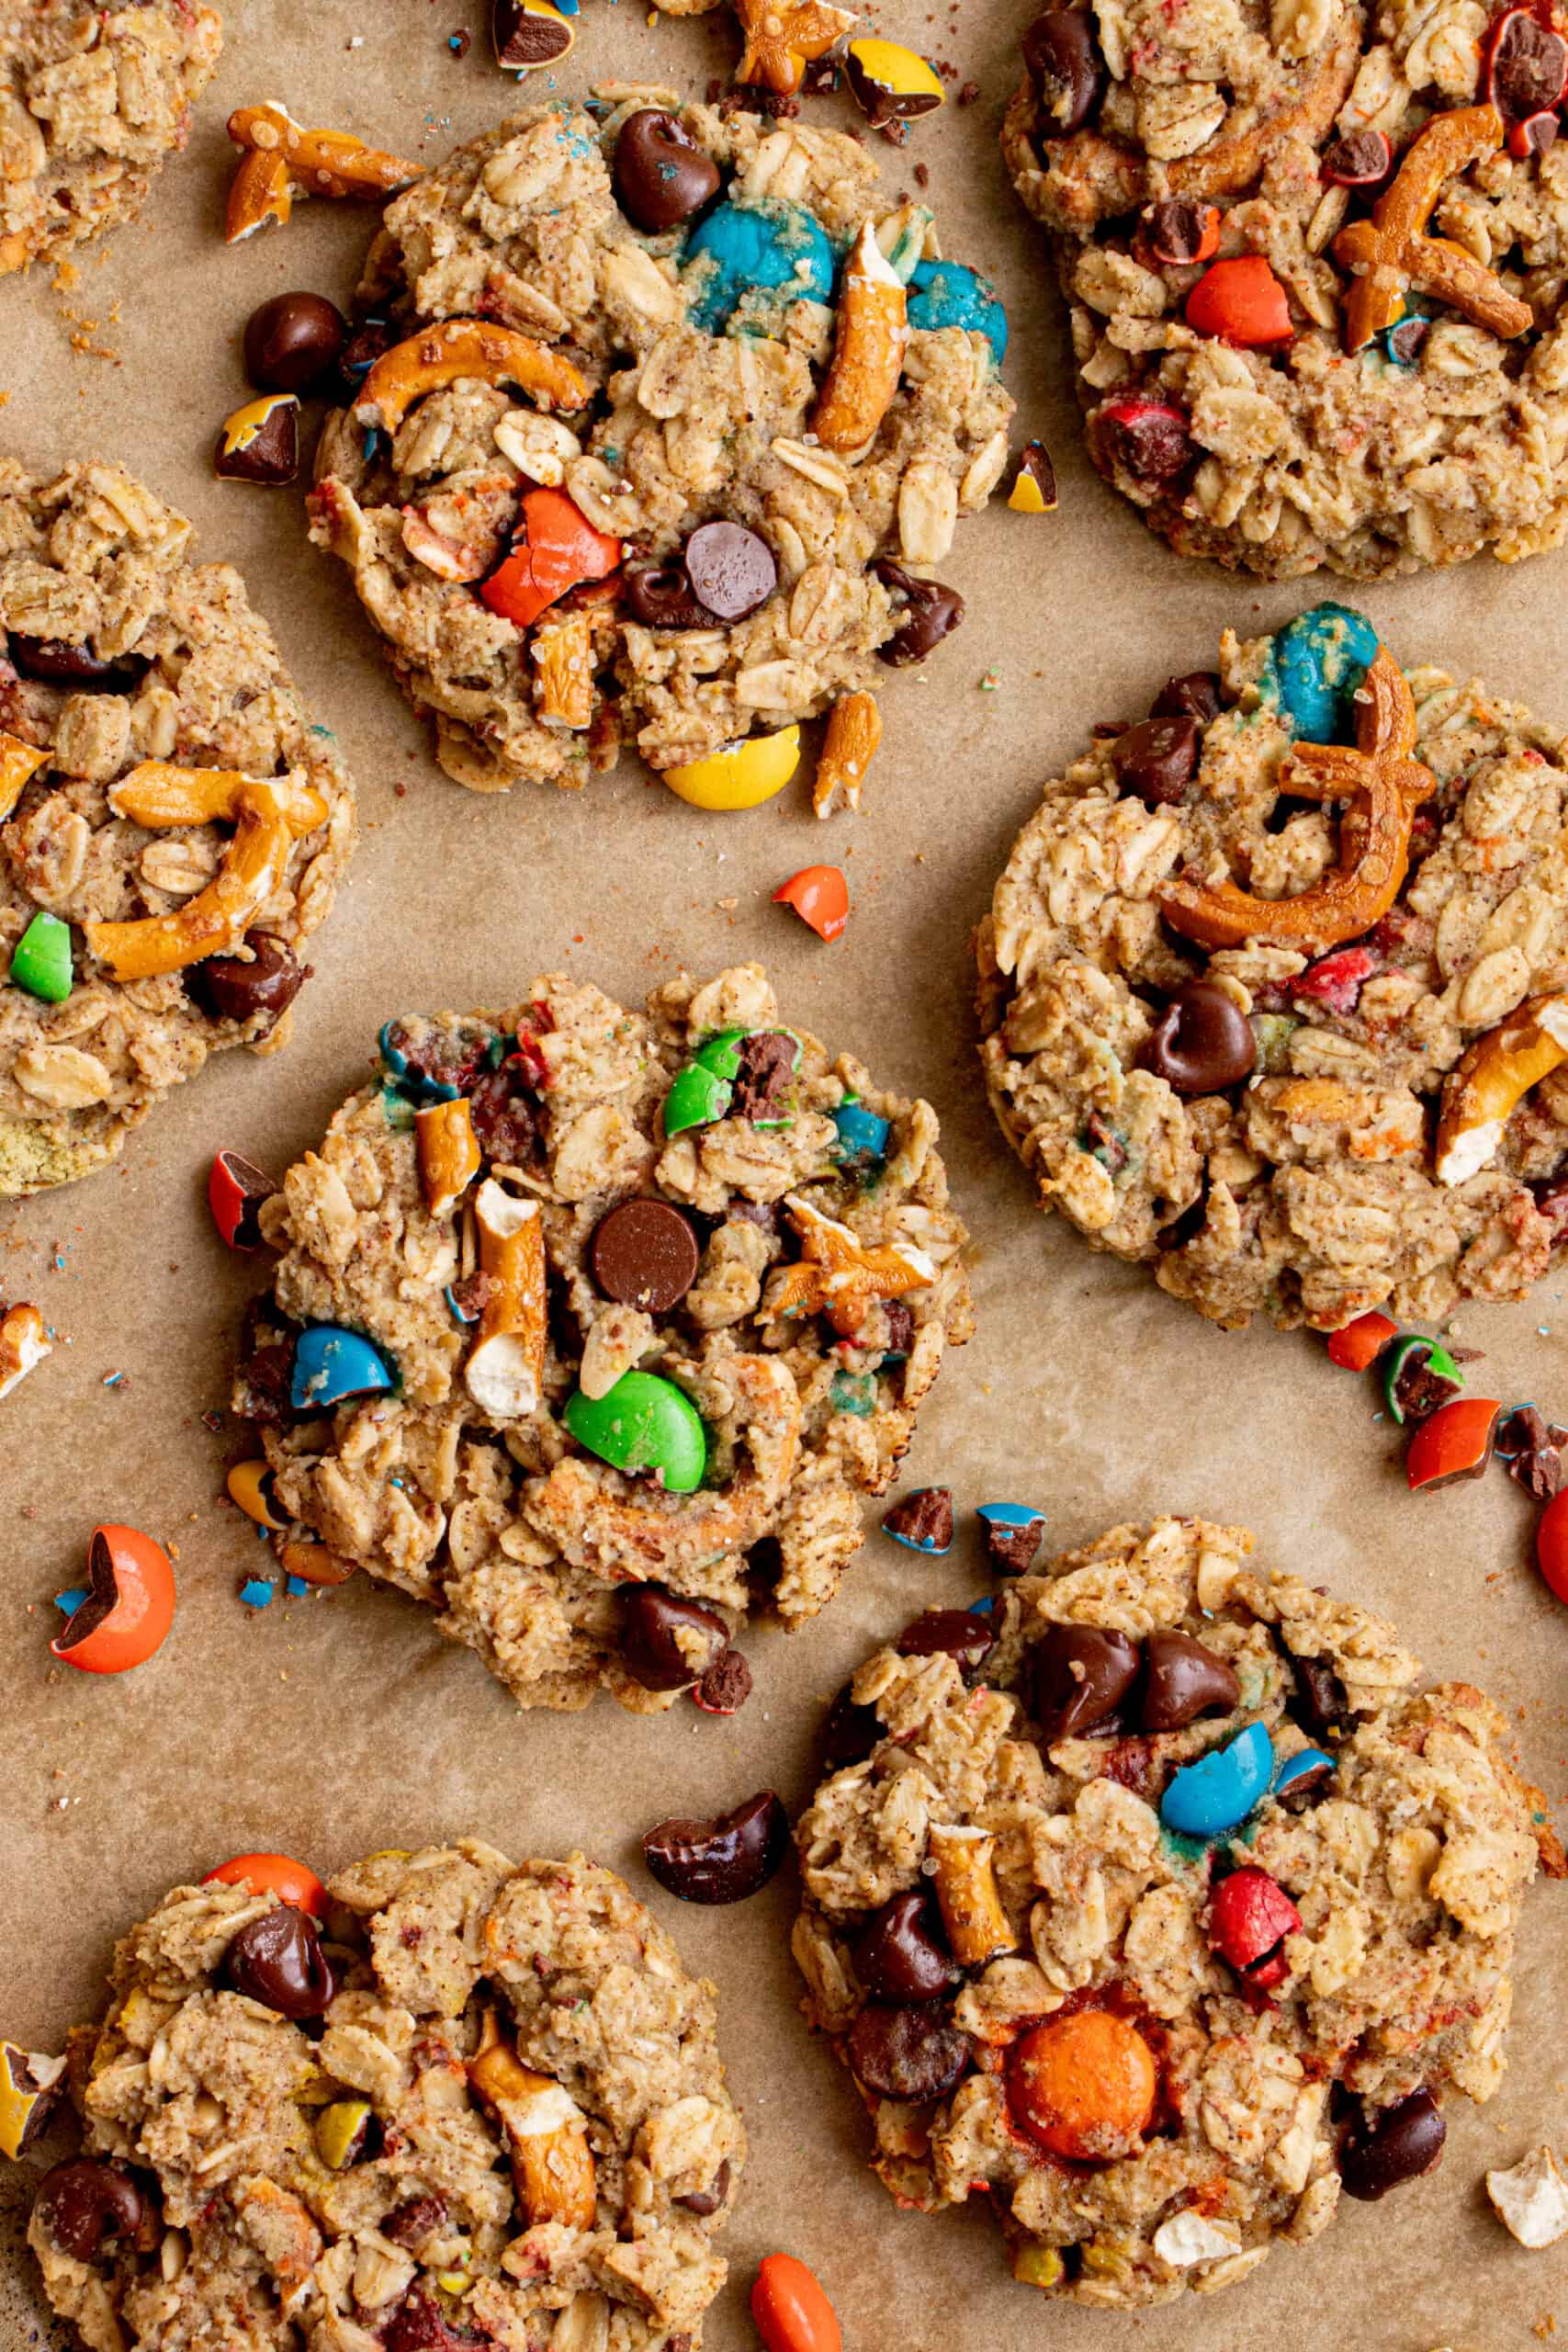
[(172, 827), (677, 415), (1160, 1908), (1272, 988), (445, 2101), (1312, 255), (591, 1329), (91, 102)]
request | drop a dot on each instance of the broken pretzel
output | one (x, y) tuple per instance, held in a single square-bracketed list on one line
[(1392, 251), (1490, 1079)]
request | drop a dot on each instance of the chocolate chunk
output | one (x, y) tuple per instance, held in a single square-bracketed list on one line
[(1201, 1043), (922, 1518), (278, 1960), (504, 1117), (1064, 65), (730, 569), (1532, 1450), (703, 2201), (416, 2218), (645, 1254), (1158, 759), (930, 612), (726, 1686), (419, 2325), (658, 595), (1406, 338), (849, 1731), (899, 1955), (1538, 132), (966, 1634), (1012, 1549), (292, 340), (366, 343), (1177, 230), (1392, 2145), (266, 453), (81, 2203), (1195, 694), (265, 1361), (1529, 67), (1133, 1764), (55, 661), (524, 40), (1184, 1680), (764, 1077), (879, 102), (764, 1214), (662, 175), (913, 2055), (266, 978), (722, 1860), (254, 1186), (1146, 439), (900, 1322), (1078, 1675), (666, 1640), (1320, 1705), (1362, 159)]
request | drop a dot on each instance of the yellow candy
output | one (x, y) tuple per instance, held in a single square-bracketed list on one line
[(902, 73), (1034, 490), (740, 777), (27, 2088), (247, 1487), (241, 429), (340, 2131)]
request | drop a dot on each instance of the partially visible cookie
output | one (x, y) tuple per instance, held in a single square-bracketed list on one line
[(92, 100), (1168, 1917), (172, 826), (471, 2102)]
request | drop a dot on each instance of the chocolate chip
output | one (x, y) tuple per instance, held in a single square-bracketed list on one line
[(504, 1117), (645, 1254), (1146, 439), (1362, 159), (1063, 62), (922, 1518), (266, 979), (1528, 68), (292, 340), (1322, 1705), (81, 2203), (524, 40), (55, 661), (662, 176), (930, 612), (914, 2054), (1133, 1764), (878, 103), (730, 569), (278, 1960), (667, 1640), (419, 2325), (416, 2218), (703, 2201), (849, 1731), (1201, 1043), (366, 343), (1078, 1675), (1184, 1680), (658, 595), (1158, 759), (726, 1686), (1194, 695), (267, 454), (1392, 2145), (963, 1633), (722, 1860), (1405, 340), (764, 1077), (1532, 1450), (764, 1214), (899, 1955), (900, 1322), (1176, 232)]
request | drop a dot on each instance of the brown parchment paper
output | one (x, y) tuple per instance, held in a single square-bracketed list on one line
[(332, 1726)]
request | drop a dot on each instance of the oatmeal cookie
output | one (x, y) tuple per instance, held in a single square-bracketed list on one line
[(1333, 1086), (1166, 1917), (626, 1315), (463, 2101), (628, 439), (91, 102), (1312, 255), (172, 827)]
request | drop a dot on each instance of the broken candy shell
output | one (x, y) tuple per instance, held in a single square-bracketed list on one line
[(1034, 487), (1356, 1345), (341, 2130), (862, 1134), (945, 294), (1304, 1765), (260, 442), (315, 1564), (749, 247), (643, 1423), (702, 1091), (1551, 1545), (248, 1483), (257, 1592), (1218, 1791), (236, 1188), (890, 82), (741, 775), (820, 896), (1319, 660), (923, 1507), (130, 1604), (1012, 1535), (278, 1874), (1242, 302), (1454, 1442), (530, 33), (40, 960), (331, 1363), (28, 2086)]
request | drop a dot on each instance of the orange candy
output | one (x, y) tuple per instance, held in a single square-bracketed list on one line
[(278, 1874), (792, 2312), (1552, 1545), (1455, 1441), (820, 896), (1361, 1343), (1242, 302), (129, 1605), (555, 549), (1083, 2086)]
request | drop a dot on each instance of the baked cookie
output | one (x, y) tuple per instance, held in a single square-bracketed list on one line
[(172, 827), (463, 2102), (1270, 988), (627, 438), (91, 102), (1160, 1906), (1312, 255), (591, 1331)]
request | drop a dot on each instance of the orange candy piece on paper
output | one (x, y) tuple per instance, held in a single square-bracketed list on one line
[(1356, 1345), (278, 1874), (1083, 2086), (556, 548), (792, 2312), (128, 1607), (820, 896), (1241, 301)]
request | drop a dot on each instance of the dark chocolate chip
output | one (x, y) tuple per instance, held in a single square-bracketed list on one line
[(419, 2325), (236, 987), (1201, 1043), (764, 1075), (1184, 1680), (81, 2203), (255, 1186), (1392, 2145), (1195, 694), (278, 1960), (292, 340), (722, 1860), (668, 1640), (899, 1955), (1176, 232), (55, 661), (523, 40), (1405, 340), (703, 2201), (726, 1686), (645, 1254), (658, 595), (1078, 1675), (913, 2055), (1530, 67), (1158, 759), (1320, 1705), (930, 612), (849, 1731), (923, 1519), (416, 2218), (731, 570), (878, 103), (662, 175), (1064, 65), (268, 455), (963, 1633), (1362, 159)]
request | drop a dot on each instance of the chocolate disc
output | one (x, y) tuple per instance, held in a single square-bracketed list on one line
[(1202, 1042), (731, 569), (645, 1254)]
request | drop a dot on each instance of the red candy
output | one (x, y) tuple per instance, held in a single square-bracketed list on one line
[(1336, 981), (235, 1190), (1249, 1916), (1552, 1545), (792, 2312), (820, 896), (129, 1605), (1361, 1342), (1454, 1442), (278, 1874), (1242, 302)]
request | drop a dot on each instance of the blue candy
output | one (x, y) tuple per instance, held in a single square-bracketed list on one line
[(1217, 1792), (862, 1135), (757, 250), (411, 1083), (455, 1311), (69, 1602), (1009, 1527), (294, 1587), (331, 1363), (982, 1607), (1296, 1768), (256, 1592), (945, 294), (1318, 661)]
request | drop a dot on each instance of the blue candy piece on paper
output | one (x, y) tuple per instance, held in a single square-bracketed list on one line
[(331, 1363), (777, 250), (1012, 1535), (294, 1587), (69, 1602), (862, 1135), (1319, 660), (945, 294), (1296, 1768), (1217, 1794), (256, 1592)]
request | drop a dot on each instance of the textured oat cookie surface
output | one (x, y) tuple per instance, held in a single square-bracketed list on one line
[(1416, 451), (91, 102), (686, 426), (117, 651), (1405, 1862), (256, 2231), (1308, 1191), (520, 1537)]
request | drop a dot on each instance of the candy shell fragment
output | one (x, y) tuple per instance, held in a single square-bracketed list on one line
[(1206, 1799), (1241, 302), (128, 1607), (71, 1599), (944, 294), (331, 1363), (24, 1343), (890, 82), (922, 1520), (1551, 1545), (1249, 1916), (1435, 1361), (341, 2130), (278, 1874), (1356, 1345), (1530, 2198), (527, 34), (703, 1089), (862, 1134), (1454, 1442), (40, 960), (1034, 486), (645, 1424), (1318, 662), (820, 896), (741, 775), (249, 1484), (256, 1592), (1014, 1532), (29, 2087), (1306, 1764), (236, 1188)]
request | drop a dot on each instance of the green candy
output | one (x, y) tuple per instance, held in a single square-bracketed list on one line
[(644, 1423), (853, 1393), (1437, 1362), (40, 961), (341, 2130), (702, 1090)]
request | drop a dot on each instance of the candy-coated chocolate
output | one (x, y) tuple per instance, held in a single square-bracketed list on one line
[(1206, 1799), (257, 1592), (862, 1134), (331, 1363), (1249, 1916), (340, 2131), (250, 1485), (741, 776), (748, 251), (820, 896), (1308, 1764), (527, 34), (1356, 1345), (890, 82), (1551, 1545), (40, 960), (28, 2086), (260, 442), (1454, 1442), (791, 2311), (703, 1089), (1034, 485), (236, 1188), (1012, 1535), (410, 1080), (1241, 301), (129, 1605), (1318, 661), (945, 294), (1433, 1358), (922, 1519), (1083, 2086), (644, 1423), (278, 1874)]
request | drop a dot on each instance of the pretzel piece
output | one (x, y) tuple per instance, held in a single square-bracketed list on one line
[(320, 163), (268, 817), (871, 338), (439, 354), (1392, 251), (505, 1369), (1490, 1079)]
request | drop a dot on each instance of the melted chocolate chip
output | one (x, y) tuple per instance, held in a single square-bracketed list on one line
[(668, 1640), (1149, 440), (930, 612), (1392, 2145), (662, 175), (703, 2201), (899, 1955), (82, 2203), (1183, 1682), (1158, 759), (1201, 1043), (962, 1633), (906, 2054), (1063, 63), (1079, 1676), (722, 1860), (660, 595), (53, 661), (278, 1960), (1194, 695), (644, 1253), (1320, 1706), (849, 1731), (266, 979)]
